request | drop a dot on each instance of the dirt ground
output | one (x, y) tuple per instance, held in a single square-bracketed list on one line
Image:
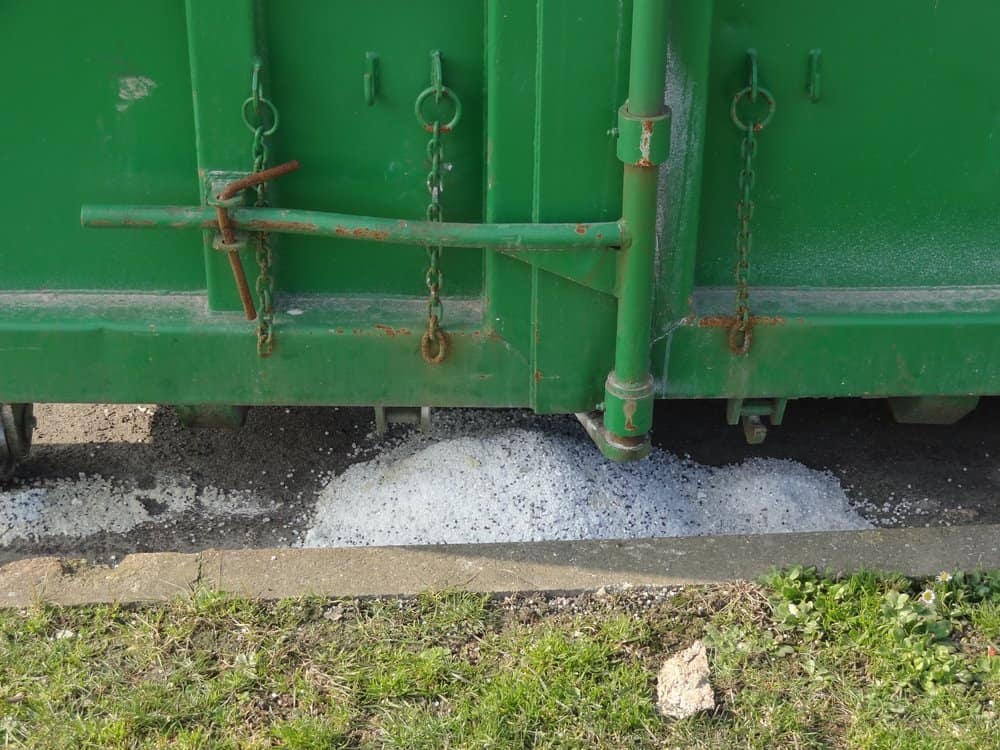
[(897, 475)]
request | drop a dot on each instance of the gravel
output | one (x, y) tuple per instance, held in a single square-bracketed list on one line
[(503, 477)]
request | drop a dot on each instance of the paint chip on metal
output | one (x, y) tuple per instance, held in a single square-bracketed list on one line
[(132, 89)]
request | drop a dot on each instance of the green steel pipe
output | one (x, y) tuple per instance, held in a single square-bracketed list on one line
[(647, 72), (628, 394), (635, 303), (534, 237)]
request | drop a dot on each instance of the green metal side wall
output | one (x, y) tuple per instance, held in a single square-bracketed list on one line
[(875, 266), (95, 109)]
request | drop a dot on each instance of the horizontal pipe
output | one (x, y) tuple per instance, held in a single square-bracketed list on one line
[(536, 237)]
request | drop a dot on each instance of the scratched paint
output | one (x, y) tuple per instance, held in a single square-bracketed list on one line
[(132, 89)]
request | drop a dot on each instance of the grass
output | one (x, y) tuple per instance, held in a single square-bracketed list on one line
[(798, 661)]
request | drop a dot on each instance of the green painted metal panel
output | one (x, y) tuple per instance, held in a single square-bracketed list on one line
[(172, 349), (873, 185), (550, 157), (874, 268), (371, 160), (219, 83), (891, 178), (864, 342), (95, 111)]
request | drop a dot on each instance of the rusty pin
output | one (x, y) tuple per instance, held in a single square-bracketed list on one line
[(229, 243)]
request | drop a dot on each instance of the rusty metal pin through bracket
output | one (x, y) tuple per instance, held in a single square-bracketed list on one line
[(228, 198)]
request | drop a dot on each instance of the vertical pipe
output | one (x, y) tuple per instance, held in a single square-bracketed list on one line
[(635, 301), (647, 61), (629, 388)]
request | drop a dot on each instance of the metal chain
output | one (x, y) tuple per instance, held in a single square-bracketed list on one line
[(259, 155), (741, 334), (434, 342)]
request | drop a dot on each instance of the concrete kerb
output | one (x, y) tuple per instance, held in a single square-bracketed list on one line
[(498, 568)]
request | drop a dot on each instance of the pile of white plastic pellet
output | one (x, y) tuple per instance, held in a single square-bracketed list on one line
[(498, 477), (91, 504)]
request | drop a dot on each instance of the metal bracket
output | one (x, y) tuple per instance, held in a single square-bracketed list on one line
[(614, 447), (643, 141), (223, 196), (752, 74), (815, 74), (628, 407), (17, 422), (417, 415), (370, 78), (932, 409), (217, 180), (750, 413)]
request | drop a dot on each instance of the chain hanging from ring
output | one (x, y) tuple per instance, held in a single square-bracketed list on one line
[(261, 129), (741, 334), (434, 342), (739, 338)]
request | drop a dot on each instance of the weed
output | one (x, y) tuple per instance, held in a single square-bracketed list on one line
[(803, 661)]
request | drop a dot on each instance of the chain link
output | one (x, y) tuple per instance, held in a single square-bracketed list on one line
[(434, 342), (739, 338), (741, 334), (259, 155)]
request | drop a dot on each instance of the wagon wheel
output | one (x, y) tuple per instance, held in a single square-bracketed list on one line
[(17, 423)]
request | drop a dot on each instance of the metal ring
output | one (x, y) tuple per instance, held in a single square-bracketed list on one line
[(274, 116), (215, 200), (438, 337), (739, 348), (238, 245), (747, 93), (433, 275), (446, 93)]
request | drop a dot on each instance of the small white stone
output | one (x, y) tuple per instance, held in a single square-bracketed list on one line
[(682, 686)]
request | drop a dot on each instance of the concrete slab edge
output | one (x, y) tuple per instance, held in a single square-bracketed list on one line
[(499, 568)]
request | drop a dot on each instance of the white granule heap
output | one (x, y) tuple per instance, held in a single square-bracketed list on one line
[(93, 504), (480, 480)]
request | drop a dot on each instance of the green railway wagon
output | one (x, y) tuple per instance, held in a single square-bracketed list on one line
[(574, 206)]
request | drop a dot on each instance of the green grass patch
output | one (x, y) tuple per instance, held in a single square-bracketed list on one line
[(801, 660)]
